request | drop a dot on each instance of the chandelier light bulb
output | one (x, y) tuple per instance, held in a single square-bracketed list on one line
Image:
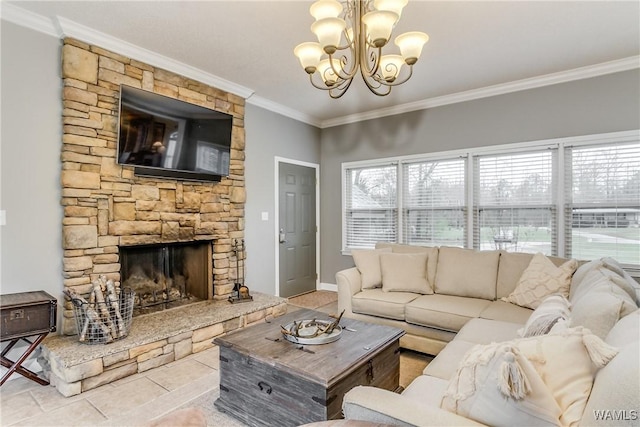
[(395, 6), (309, 54), (325, 9), (410, 45), (329, 32), (329, 77), (390, 67), (379, 26)]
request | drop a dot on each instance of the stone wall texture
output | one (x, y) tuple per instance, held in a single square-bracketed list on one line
[(106, 206)]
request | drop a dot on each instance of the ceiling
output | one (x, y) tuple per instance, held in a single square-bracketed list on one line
[(476, 48)]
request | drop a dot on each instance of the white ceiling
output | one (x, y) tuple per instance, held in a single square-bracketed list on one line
[(477, 48)]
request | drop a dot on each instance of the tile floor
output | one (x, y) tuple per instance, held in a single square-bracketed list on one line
[(131, 401)]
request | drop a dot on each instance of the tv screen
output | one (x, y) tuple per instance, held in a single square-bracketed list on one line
[(169, 138)]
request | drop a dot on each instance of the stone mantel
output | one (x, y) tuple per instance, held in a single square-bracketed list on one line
[(106, 206)]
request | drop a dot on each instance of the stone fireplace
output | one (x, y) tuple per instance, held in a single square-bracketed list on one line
[(109, 211), (172, 239)]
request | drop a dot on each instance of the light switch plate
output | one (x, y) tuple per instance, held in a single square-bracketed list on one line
[(3, 217), (265, 216)]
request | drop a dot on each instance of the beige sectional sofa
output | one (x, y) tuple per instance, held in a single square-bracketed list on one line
[(571, 361), (466, 284)]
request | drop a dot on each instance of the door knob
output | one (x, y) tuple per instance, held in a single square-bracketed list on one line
[(282, 236)]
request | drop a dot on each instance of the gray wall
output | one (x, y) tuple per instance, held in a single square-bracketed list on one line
[(597, 105), (30, 163), (269, 135)]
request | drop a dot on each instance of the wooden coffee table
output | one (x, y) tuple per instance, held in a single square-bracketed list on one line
[(266, 380)]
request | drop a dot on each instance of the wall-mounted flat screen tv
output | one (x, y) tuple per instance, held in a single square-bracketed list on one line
[(169, 138)]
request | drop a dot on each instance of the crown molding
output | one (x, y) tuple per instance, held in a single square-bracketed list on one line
[(267, 104), (625, 64), (25, 18)]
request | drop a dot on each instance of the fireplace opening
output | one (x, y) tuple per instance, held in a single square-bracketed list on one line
[(167, 275)]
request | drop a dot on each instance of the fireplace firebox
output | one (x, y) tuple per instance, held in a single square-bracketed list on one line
[(167, 275)]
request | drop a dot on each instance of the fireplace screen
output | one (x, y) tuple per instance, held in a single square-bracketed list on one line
[(166, 276)]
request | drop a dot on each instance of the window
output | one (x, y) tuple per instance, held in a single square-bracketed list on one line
[(434, 203), (573, 197), (514, 202), (370, 205), (603, 202)]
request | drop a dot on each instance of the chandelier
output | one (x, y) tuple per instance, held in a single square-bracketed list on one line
[(351, 35)]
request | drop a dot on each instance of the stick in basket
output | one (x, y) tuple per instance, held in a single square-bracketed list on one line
[(113, 301), (92, 316)]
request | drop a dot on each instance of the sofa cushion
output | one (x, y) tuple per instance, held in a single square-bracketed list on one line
[(467, 273), (511, 267), (446, 363), (476, 331), (624, 281), (617, 385), (541, 279), (616, 391), (598, 303), (626, 331), (426, 390), (484, 331), (431, 251), (554, 309), (376, 302), (446, 312), (368, 264), (536, 377), (506, 312), (581, 273), (405, 273)]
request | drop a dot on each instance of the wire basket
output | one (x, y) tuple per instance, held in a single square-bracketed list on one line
[(105, 322)]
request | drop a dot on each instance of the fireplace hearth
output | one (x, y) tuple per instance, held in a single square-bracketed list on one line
[(167, 275)]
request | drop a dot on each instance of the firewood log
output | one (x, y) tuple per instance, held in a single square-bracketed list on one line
[(102, 307), (115, 307)]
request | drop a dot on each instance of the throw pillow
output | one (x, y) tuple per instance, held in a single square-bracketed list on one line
[(405, 273), (539, 380), (550, 312), (599, 302), (541, 279), (624, 279), (368, 264)]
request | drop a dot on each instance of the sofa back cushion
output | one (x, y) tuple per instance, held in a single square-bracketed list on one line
[(431, 251), (616, 389), (367, 262), (598, 302), (467, 273), (511, 267)]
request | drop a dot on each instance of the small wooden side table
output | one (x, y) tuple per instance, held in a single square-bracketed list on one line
[(25, 315)]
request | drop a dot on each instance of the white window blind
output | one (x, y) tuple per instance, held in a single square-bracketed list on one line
[(514, 201), (371, 205), (434, 203), (603, 202)]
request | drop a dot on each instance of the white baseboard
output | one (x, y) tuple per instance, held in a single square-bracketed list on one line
[(328, 287)]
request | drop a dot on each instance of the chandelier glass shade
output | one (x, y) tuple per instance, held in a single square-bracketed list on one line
[(351, 35)]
